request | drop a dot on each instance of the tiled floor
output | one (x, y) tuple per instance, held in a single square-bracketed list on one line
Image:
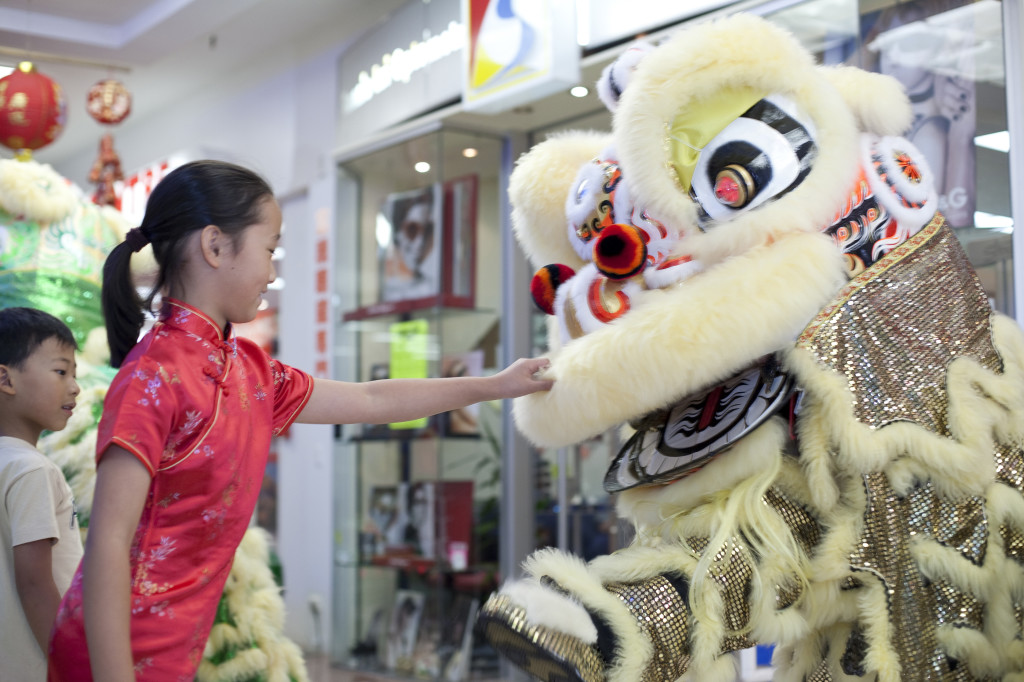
[(321, 670)]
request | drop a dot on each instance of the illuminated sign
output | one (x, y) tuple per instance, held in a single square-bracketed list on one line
[(399, 66)]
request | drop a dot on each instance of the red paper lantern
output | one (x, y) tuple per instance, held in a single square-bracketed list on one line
[(109, 101), (32, 110)]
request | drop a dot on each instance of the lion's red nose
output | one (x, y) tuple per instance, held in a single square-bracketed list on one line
[(621, 251)]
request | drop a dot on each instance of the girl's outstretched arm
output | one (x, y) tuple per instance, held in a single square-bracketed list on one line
[(122, 483), (396, 400)]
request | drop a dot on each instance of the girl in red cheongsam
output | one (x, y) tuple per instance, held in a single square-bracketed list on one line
[(187, 423)]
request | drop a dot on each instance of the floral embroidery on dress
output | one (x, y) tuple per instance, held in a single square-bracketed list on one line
[(141, 584), (281, 375), (169, 500), (153, 384), (143, 664), (258, 392), (193, 420)]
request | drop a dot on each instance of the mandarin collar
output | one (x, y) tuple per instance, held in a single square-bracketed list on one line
[(189, 319)]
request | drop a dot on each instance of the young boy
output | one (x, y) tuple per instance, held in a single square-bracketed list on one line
[(41, 545)]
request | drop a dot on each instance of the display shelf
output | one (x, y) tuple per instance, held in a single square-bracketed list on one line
[(423, 494), (396, 308)]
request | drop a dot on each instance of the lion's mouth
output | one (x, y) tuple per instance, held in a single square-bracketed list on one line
[(677, 441)]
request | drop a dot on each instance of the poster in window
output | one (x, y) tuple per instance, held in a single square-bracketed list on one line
[(409, 237), (930, 47)]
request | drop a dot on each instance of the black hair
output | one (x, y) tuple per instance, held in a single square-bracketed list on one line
[(188, 199), (23, 330)]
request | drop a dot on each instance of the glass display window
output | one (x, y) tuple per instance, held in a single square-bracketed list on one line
[(417, 503)]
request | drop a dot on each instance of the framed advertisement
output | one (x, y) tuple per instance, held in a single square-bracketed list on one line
[(931, 47), (410, 239), (426, 254)]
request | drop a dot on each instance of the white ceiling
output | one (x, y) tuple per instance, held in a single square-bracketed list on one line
[(164, 49)]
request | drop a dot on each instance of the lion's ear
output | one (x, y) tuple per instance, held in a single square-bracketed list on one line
[(538, 189), (878, 102)]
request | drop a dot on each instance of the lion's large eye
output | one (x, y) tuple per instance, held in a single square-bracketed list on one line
[(763, 154)]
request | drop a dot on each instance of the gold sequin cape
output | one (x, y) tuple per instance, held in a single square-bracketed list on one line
[(885, 541)]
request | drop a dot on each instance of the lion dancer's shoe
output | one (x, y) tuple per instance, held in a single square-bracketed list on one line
[(639, 614)]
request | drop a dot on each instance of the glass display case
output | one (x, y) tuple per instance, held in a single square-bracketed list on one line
[(419, 286)]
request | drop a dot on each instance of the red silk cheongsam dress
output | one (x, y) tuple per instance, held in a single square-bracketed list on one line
[(199, 413)]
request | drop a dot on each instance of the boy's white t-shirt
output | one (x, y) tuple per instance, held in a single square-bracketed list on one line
[(35, 503)]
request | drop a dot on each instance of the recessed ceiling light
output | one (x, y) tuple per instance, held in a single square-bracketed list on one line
[(998, 141), (579, 91), (422, 167), (470, 152)]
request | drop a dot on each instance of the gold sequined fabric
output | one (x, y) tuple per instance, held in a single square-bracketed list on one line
[(957, 608), (821, 674), (544, 653), (1009, 463), (805, 528), (884, 553), (892, 333), (662, 614), (1013, 541), (731, 569), (962, 525)]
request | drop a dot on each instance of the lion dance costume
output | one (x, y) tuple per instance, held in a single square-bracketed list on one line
[(825, 416)]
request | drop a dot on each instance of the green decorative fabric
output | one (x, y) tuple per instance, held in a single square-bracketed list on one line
[(57, 267)]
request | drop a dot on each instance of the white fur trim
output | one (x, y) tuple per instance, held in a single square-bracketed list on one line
[(552, 610), (911, 219), (616, 76)]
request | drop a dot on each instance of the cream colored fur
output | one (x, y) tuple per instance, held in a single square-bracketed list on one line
[(878, 102), (538, 188), (550, 609), (703, 331)]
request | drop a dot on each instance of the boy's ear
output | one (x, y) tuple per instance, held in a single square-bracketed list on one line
[(212, 242), (6, 382)]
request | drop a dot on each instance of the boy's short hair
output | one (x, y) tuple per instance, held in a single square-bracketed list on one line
[(23, 330)]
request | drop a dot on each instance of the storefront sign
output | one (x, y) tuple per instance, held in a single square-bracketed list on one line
[(408, 66), (517, 52)]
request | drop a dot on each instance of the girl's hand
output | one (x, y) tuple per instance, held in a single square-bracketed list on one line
[(524, 376)]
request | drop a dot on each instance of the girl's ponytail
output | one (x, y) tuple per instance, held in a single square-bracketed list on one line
[(122, 306), (189, 198)]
